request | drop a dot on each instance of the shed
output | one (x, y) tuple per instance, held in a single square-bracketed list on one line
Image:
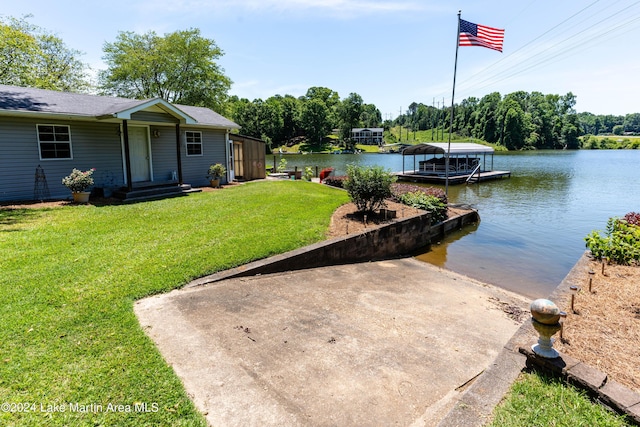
[(249, 156)]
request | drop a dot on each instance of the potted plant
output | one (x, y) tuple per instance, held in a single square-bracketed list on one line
[(78, 182), (216, 172)]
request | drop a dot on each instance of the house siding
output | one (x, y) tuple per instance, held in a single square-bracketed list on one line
[(94, 145), (149, 116), (163, 151), (95, 128), (213, 151)]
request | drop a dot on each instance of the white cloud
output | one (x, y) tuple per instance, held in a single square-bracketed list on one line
[(254, 89), (360, 6), (344, 8)]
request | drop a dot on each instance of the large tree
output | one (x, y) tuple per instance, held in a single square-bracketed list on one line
[(511, 122), (486, 123), (179, 67), (371, 116), (289, 108), (29, 56), (328, 97), (314, 120), (348, 112)]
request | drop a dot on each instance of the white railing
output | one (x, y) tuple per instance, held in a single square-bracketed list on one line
[(473, 173)]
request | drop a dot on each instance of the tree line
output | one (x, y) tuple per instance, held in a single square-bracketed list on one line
[(609, 124), (182, 68), (284, 119), (517, 121)]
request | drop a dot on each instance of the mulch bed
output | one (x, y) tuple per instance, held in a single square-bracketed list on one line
[(605, 330)]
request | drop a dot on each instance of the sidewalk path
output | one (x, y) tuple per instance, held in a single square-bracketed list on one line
[(381, 343)]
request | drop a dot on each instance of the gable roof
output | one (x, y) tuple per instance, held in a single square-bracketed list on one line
[(23, 100), (369, 129)]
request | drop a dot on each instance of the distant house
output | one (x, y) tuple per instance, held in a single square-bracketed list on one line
[(131, 143), (367, 136)]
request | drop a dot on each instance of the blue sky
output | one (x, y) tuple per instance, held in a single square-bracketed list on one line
[(390, 52)]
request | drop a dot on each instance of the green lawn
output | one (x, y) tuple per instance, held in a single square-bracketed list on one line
[(610, 142), (537, 399), (70, 276), (71, 348)]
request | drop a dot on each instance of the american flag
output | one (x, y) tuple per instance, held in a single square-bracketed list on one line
[(480, 35)]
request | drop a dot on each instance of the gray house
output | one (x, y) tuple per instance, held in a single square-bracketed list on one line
[(132, 144)]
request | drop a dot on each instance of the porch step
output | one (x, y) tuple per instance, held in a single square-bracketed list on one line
[(147, 192)]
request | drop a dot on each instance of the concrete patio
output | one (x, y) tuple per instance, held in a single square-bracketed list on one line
[(382, 343)]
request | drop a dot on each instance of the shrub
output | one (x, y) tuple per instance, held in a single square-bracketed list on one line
[(368, 187), (427, 202), (308, 173), (283, 165), (335, 181), (216, 171), (620, 244)]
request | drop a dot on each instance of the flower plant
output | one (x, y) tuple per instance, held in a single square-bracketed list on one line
[(398, 189), (216, 171), (78, 180), (632, 218)]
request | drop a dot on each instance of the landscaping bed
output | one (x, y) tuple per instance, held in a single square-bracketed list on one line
[(605, 330)]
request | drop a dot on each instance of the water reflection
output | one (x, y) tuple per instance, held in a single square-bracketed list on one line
[(533, 224), (437, 253)]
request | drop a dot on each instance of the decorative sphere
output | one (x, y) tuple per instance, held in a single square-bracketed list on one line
[(545, 311)]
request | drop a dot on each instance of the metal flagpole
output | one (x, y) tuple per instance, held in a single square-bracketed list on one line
[(453, 94)]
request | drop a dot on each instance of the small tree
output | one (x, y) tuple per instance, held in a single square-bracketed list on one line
[(368, 187), (618, 130), (283, 165)]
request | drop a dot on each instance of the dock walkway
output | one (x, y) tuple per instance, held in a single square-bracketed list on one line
[(414, 176)]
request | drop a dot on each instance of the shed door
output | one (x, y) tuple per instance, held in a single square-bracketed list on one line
[(140, 154), (238, 159)]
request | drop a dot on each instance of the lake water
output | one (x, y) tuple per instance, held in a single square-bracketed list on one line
[(533, 224)]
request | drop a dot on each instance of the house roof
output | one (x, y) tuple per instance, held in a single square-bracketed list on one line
[(442, 147), (16, 100), (243, 138), (371, 129)]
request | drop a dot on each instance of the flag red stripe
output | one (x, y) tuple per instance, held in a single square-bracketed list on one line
[(489, 37)]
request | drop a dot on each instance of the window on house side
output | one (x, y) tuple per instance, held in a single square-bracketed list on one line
[(194, 143), (54, 142)]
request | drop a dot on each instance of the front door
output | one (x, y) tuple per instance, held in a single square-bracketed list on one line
[(139, 154)]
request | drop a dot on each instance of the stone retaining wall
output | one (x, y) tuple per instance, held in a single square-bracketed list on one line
[(398, 237)]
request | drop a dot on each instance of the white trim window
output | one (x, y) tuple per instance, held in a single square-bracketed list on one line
[(54, 142), (193, 141)]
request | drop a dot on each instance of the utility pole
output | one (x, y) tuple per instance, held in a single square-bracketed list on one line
[(400, 114), (433, 105), (438, 122), (445, 116)]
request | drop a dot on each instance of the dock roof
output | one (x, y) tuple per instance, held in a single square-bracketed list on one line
[(441, 148)]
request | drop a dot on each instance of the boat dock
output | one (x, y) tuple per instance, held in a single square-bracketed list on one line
[(453, 163), (415, 176)]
